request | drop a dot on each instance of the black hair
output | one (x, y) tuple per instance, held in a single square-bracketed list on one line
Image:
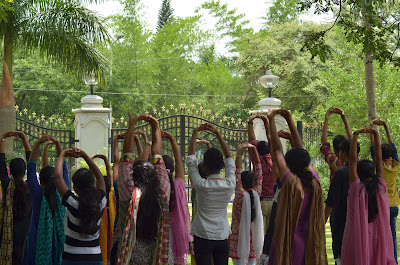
[(169, 164), (107, 183), (247, 178), (344, 146), (202, 172), (298, 160), (49, 187), (387, 151), (17, 167), (263, 148), (89, 201), (144, 176), (366, 173), (336, 141), (20, 205), (213, 159)]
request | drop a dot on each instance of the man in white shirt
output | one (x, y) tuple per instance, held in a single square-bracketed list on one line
[(210, 226)]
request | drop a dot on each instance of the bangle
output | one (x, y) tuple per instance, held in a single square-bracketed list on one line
[(149, 142), (250, 122)]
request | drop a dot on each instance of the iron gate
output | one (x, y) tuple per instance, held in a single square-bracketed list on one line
[(181, 127), (34, 130)]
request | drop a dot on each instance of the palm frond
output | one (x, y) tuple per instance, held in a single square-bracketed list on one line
[(66, 32)]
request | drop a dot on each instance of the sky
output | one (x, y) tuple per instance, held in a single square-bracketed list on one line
[(254, 9)]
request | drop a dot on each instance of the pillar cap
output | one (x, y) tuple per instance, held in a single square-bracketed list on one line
[(91, 103), (92, 99), (269, 103)]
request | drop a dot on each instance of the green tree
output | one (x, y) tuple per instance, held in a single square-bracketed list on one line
[(44, 87), (164, 14), (5, 9), (133, 61), (63, 31), (229, 22), (282, 11), (278, 48), (373, 24)]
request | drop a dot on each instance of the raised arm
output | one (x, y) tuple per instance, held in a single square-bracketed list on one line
[(266, 125), (3, 167), (57, 143), (345, 122), (107, 164), (179, 170), (137, 140), (388, 134), (100, 185), (155, 134), (129, 140), (384, 124), (146, 151), (286, 135), (45, 156), (292, 127), (275, 168), (194, 140), (222, 142), (324, 136), (250, 129), (61, 186), (139, 147), (353, 153), (238, 160), (378, 153), (35, 152), (116, 155), (277, 146), (24, 140), (205, 142)]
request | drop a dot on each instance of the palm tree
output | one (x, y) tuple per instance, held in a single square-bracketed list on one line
[(62, 30)]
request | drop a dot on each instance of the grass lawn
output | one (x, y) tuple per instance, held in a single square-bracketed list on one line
[(329, 252)]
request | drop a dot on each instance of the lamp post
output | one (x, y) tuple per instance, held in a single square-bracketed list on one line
[(269, 81), (121, 36), (91, 81)]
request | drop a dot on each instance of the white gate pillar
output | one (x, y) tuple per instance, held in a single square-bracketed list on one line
[(259, 129), (92, 125)]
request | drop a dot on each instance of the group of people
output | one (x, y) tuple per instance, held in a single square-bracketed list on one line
[(138, 212)]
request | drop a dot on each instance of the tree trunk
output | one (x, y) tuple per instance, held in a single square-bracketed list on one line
[(370, 86), (8, 112), (8, 50)]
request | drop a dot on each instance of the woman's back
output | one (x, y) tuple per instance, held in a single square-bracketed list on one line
[(371, 241), (78, 246)]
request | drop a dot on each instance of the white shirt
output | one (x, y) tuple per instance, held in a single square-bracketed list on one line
[(213, 195)]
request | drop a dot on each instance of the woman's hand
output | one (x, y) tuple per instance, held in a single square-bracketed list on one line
[(378, 122), (284, 134), (211, 128), (272, 113)]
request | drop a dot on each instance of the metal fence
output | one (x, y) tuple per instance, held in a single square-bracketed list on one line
[(311, 136), (34, 131)]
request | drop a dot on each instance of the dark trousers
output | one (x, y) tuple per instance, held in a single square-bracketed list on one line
[(394, 212), (204, 249)]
